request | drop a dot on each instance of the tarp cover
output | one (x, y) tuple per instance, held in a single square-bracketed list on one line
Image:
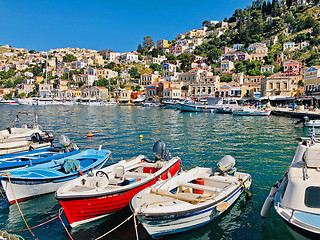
[(71, 165)]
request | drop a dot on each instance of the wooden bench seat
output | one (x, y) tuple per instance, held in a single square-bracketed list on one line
[(200, 187)]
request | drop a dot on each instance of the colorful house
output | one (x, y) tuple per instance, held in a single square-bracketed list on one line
[(291, 68), (226, 66), (312, 80)]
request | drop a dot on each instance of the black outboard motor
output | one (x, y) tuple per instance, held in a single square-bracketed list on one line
[(160, 152), (35, 137)]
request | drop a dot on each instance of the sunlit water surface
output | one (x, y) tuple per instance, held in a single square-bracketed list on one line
[(262, 147)]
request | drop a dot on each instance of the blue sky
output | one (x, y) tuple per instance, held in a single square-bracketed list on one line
[(119, 25)]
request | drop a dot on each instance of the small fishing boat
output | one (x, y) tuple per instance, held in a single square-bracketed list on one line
[(295, 196), (110, 189), (246, 111), (190, 199), (171, 104), (8, 102), (311, 123), (28, 137), (47, 177), (35, 157)]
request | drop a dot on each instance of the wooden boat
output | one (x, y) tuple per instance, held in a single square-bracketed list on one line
[(48, 177), (110, 189), (295, 197), (34, 157), (190, 199)]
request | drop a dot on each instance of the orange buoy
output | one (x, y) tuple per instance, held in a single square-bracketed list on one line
[(205, 108), (90, 135)]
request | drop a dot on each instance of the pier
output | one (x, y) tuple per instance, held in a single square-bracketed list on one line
[(288, 112)]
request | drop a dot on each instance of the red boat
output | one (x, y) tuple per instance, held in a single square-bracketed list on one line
[(110, 189)]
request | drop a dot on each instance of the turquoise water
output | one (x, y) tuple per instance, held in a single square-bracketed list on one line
[(262, 147)]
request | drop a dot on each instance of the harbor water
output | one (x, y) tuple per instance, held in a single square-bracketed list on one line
[(262, 146)]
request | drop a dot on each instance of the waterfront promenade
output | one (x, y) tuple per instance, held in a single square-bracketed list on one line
[(288, 112)]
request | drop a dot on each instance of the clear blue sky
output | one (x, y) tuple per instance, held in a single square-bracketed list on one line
[(119, 25)]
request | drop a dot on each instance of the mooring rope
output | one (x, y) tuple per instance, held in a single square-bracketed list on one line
[(60, 212), (8, 175), (39, 225), (111, 158)]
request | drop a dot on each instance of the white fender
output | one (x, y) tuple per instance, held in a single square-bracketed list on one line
[(268, 203)]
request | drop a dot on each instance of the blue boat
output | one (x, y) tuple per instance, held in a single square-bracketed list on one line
[(46, 178), (34, 157)]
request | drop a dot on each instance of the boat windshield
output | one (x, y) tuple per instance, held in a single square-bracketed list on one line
[(311, 198)]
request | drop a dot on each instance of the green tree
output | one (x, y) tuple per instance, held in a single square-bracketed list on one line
[(288, 3), (110, 65), (240, 67), (140, 49), (147, 43), (214, 54), (69, 58), (134, 73), (185, 59), (32, 51), (155, 67)]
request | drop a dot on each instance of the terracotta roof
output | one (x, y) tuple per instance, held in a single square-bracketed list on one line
[(101, 87)]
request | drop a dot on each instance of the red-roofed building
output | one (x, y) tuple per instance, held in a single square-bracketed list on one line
[(291, 68)]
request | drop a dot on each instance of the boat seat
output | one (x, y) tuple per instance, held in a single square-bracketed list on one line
[(199, 187), (137, 175), (192, 198), (117, 175)]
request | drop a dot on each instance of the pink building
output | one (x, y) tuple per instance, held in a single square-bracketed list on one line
[(291, 68)]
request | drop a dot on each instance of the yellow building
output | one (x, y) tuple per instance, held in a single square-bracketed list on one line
[(38, 79), (226, 66), (312, 80), (76, 93), (163, 44)]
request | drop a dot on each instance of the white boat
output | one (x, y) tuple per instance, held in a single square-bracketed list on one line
[(92, 102), (246, 111), (25, 101), (190, 199), (296, 195), (311, 123), (8, 102), (27, 137), (45, 101)]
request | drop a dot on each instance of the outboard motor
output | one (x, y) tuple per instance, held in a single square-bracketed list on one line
[(35, 137), (226, 165), (160, 152), (306, 119)]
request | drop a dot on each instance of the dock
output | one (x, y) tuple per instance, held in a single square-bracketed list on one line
[(288, 112)]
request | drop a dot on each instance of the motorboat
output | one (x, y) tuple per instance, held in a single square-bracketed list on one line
[(190, 199), (311, 123), (8, 102), (295, 197), (102, 192), (171, 104), (25, 101), (35, 157), (150, 104), (45, 101), (92, 102), (247, 111), (23, 138), (212, 104), (47, 177)]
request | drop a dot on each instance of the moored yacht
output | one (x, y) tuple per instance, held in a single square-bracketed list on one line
[(295, 196)]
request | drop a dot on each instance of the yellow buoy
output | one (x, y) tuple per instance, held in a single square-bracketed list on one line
[(181, 117), (140, 136)]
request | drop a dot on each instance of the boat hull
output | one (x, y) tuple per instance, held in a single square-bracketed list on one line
[(82, 210), (161, 225), (255, 113), (196, 108)]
